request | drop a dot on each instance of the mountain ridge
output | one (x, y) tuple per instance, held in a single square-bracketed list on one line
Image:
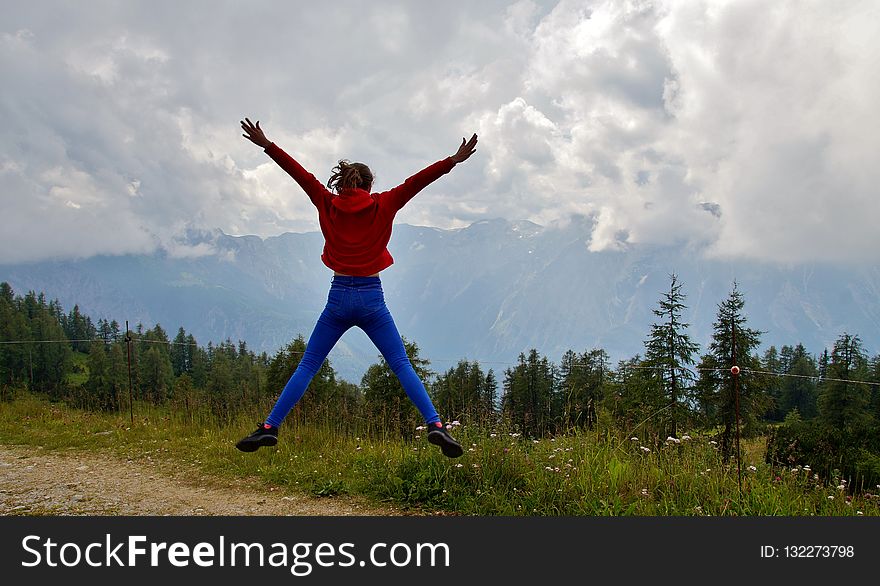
[(486, 292)]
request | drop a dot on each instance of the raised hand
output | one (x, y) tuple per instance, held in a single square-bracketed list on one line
[(254, 133), (465, 150)]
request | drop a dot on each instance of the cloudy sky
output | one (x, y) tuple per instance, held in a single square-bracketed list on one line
[(744, 128)]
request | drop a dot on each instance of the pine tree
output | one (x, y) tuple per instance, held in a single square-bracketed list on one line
[(181, 354), (79, 328), (248, 375), (582, 381), (283, 364), (719, 386), (200, 363), (15, 359), (490, 396), (115, 332), (220, 381), (6, 293), (845, 406), (823, 365), (459, 392), (117, 373), (771, 362), (99, 386), (51, 360), (157, 376), (632, 398), (529, 393), (669, 352), (799, 391)]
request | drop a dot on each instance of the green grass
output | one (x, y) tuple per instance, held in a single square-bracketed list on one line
[(500, 474), (79, 374)]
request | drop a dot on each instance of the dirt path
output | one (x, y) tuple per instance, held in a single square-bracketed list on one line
[(34, 481)]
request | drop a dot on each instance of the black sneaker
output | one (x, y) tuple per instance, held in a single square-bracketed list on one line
[(266, 435), (438, 436)]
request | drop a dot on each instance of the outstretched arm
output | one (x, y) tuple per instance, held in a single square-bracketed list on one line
[(400, 195), (254, 133), (465, 150), (313, 188)]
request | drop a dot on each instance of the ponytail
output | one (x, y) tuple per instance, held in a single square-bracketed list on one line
[(347, 175)]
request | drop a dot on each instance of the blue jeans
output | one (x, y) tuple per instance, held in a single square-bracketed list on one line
[(354, 301)]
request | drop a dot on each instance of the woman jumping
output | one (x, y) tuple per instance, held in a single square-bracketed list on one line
[(357, 227)]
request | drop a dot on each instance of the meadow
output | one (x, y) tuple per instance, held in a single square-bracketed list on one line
[(598, 472)]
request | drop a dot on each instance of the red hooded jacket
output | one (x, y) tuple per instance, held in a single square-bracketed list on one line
[(356, 223)]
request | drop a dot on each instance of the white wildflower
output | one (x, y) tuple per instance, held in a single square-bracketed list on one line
[(685, 437), (421, 428), (635, 439), (644, 449), (752, 468)]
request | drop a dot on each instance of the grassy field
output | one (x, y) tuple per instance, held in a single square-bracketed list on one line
[(500, 474)]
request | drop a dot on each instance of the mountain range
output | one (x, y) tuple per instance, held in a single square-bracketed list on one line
[(485, 292)]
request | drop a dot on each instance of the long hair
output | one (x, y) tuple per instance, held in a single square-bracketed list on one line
[(347, 175)]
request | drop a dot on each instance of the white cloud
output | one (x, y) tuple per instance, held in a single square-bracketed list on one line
[(774, 117)]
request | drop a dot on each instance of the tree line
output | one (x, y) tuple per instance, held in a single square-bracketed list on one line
[(823, 408)]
